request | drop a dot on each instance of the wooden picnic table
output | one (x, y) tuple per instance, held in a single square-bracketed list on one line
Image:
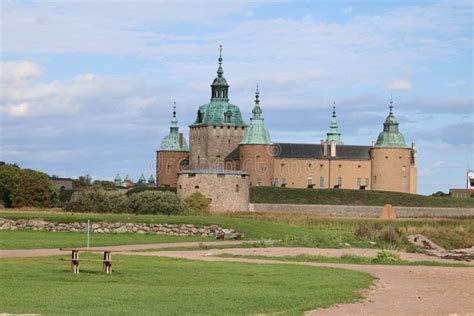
[(75, 261)]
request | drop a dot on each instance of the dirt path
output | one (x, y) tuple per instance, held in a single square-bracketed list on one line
[(400, 290)]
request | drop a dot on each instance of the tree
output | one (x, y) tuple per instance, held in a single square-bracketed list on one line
[(83, 182), (36, 190), (26, 187)]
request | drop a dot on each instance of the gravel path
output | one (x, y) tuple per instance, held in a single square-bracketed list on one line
[(400, 290)]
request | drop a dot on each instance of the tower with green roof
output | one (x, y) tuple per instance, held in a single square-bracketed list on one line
[(174, 141), (391, 137), (117, 180), (218, 128), (256, 133), (333, 135), (255, 150), (172, 155), (393, 166)]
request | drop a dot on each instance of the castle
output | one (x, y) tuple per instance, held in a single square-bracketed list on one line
[(226, 156)]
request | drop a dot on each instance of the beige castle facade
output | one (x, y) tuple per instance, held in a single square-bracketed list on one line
[(225, 153)]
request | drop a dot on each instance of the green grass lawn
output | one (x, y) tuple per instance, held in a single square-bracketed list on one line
[(30, 239), (296, 229), (351, 197), (165, 286), (347, 259)]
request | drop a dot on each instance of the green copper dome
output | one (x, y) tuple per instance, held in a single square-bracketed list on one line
[(151, 180), (256, 132), (390, 136), (219, 111), (142, 179), (117, 180), (171, 142), (333, 134)]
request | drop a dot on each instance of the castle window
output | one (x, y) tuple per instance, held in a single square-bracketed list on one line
[(359, 181), (190, 175), (310, 181), (321, 182), (227, 116), (228, 141), (218, 156), (275, 182), (283, 182), (259, 182), (310, 165), (404, 168), (366, 182), (321, 166), (404, 180), (180, 186), (197, 187), (258, 156), (386, 157), (359, 166), (235, 127), (282, 164), (340, 166), (199, 118), (339, 181), (236, 188)]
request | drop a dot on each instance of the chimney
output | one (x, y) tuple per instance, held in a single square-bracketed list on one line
[(333, 149), (325, 149), (181, 140)]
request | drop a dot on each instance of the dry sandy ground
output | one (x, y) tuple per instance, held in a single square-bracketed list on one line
[(400, 290)]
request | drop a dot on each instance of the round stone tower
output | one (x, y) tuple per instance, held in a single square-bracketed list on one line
[(255, 150), (172, 156), (393, 164)]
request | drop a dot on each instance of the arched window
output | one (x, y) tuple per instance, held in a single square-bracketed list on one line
[(196, 187)]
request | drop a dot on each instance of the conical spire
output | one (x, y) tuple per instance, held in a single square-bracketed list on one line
[(172, 142), (220, 88), (391, 136), (333, 134), (256, 132), (174, 120), (220, 71)]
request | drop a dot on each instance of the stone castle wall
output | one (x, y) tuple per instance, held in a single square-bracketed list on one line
[(139, 228), (227, 192), (209, 145), (362, 211)]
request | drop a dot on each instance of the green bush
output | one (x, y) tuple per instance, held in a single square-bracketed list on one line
[(65, 196), (157, 202), (198, 203), (143, 189), (97, 200), (26, 188), (385, 257)]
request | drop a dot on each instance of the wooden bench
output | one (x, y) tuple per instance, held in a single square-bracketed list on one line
[(106, 261)]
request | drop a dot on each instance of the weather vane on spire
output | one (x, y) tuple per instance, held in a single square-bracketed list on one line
[(220, 52), (391, 103), (257, 96), (174, 108)]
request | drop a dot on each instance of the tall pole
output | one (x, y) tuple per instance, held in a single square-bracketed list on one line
[(88, 231)]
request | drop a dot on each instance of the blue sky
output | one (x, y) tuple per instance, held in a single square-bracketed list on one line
[(87, 87)]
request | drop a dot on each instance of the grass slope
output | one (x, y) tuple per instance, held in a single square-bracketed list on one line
[(351, 197), (151, 286), (296, 229)]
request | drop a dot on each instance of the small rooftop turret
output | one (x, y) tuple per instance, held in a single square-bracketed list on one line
[(174, 141), (333, 134), (391, 137), (256, 132)]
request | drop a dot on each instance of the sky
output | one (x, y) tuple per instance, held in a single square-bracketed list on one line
[(87, 87)]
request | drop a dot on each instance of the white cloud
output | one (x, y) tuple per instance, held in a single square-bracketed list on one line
[(347, 10), (18, 71), (400, 84)]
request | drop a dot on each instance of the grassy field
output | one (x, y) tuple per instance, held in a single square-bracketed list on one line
[(351, 197), (152, 285), (347, 259), (30, 239), (293, 228)]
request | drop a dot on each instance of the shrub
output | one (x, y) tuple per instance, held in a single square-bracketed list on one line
[(157, 202), (97, 200), (378, 232), (385, 257), (143, 189), (198, 203)]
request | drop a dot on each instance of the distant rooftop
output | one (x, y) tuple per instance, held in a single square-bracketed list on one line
[(214, 171)]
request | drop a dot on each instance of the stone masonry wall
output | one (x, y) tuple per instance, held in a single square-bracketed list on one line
[(362, 211), (139, 228)]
